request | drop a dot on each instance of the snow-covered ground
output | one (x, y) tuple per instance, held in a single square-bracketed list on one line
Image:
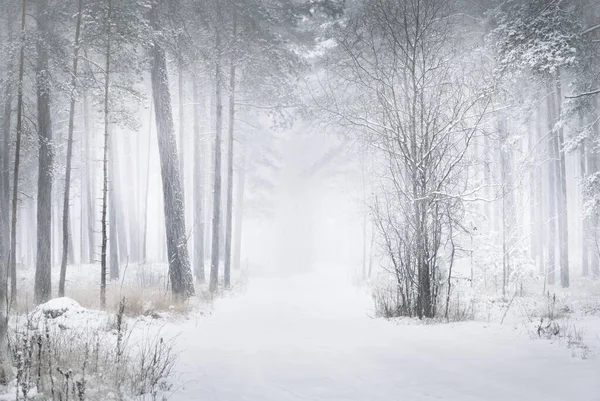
[(311, 337)]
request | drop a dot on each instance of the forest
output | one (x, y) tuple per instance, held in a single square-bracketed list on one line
[(279, 166)]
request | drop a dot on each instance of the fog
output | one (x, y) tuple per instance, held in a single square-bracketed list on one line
[(299, 199)]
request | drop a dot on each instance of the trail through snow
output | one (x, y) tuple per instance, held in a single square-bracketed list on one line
[(310, 338)]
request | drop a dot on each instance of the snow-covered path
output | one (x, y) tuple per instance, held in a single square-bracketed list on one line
[(306, 339)]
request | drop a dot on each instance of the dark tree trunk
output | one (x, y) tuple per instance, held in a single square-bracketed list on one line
[(103, 215), (199, 167), (17, 165), (5, 208), (214, 264), (180, 273), (43, 279), (67, 194)]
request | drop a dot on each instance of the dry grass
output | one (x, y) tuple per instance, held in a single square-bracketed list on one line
[(145, 289)]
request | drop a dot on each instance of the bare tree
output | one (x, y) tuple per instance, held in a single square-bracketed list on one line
[(406, 94)]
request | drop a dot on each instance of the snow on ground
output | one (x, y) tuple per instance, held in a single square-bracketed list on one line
[(310, 337)]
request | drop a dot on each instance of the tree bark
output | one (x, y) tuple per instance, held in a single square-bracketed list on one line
[(181, 128), (180, 273), (5, 209), (89, 189), (17, 164), (103, 217), (43, 279), (214, 264), (67, 194)]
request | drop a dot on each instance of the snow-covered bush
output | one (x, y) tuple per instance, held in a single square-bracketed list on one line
[(63, 351)]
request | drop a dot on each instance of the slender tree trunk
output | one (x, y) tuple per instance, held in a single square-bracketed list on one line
[(487, 179), (181, 128), (532, 200), (229, 219), (147, 187), (540, 206), (43, 279), (199, 170), (115, 198), (90, 179), (239, 209), (592, 168), (17, 161), (552, 186), (5, 208), (105, 161), (180, 273), (214, 265), (67, 194), (133, 227), (563, 222), (114, 234), (585, 271)]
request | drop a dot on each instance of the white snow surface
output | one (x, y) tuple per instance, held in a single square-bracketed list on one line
[(311, 337)]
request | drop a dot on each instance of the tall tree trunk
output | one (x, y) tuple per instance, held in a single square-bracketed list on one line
[(592, 168), (5, 208), (115, 197), (585, 271), (67, 194), (180, 273), (181, 128), (533, 236), (239, 209), (552, 189), (17, 165), (43, 279), (114, 234), (5, 150), (90, 193), (540, 196), (199, 171), (229, 206), (214, 264), (103, 216), (133, 227), (147, 187), (563, 221), (487, 179)]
